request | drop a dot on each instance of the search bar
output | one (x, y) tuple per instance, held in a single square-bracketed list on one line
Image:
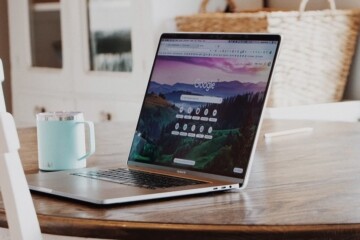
[(201, 99)]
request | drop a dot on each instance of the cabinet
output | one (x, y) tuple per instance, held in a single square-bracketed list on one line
[(57, 64), (42, 82)]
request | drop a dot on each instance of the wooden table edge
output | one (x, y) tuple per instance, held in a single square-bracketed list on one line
[(96, 228)]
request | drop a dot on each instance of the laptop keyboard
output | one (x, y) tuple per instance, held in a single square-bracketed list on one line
[(138, 178)]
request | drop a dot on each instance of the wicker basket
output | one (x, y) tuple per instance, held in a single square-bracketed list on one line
[(316, 54)]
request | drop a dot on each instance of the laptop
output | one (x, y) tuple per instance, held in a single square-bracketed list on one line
[(198, 125)]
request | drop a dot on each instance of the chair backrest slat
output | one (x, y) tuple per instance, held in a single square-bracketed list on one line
[(20, 212)]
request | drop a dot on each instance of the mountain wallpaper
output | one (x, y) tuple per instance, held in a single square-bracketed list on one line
[(229, 135)]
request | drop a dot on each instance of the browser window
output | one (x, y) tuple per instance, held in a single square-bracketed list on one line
[(203, 104)]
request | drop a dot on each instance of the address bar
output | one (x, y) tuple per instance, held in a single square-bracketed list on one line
[(201, 99), (194, 50)]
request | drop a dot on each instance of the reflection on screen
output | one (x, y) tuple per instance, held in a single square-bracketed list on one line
[(203, 104)]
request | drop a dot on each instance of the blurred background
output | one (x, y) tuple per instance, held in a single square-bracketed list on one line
[(95, 56)]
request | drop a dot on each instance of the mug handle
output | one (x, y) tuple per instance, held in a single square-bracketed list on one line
[(90, 125)]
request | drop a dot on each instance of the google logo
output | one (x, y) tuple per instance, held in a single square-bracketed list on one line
[(205, 85)]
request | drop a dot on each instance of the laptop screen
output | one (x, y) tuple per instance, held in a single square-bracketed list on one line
[(203, 102)]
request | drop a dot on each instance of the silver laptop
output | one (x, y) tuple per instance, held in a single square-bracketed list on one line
[(198, 124)]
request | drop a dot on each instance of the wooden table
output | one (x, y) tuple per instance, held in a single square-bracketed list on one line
[(303, 186)]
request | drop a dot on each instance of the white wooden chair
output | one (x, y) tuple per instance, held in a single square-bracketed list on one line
[(20, 212)]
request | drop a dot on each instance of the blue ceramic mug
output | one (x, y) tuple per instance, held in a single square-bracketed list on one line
[(61, 140)]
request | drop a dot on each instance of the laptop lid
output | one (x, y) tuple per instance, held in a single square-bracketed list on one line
[(203, 103)]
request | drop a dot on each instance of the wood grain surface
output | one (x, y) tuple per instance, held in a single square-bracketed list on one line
[(303, 186)]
